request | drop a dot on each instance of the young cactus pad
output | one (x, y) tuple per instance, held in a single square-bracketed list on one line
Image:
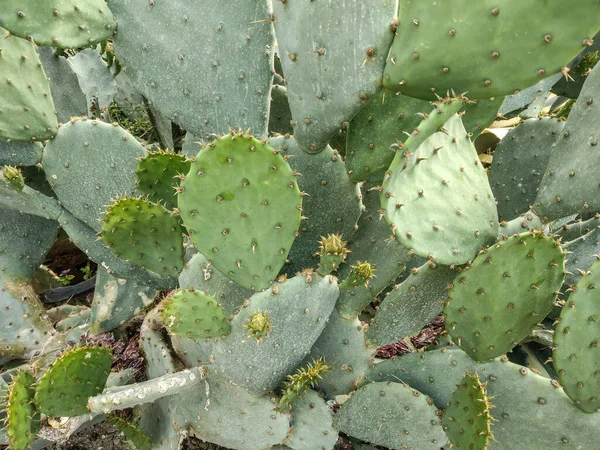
[(508, 289), (145, 233), (241, 205), (576, 355), (23, 418), (195, 315), (79, 373), (467, 419)]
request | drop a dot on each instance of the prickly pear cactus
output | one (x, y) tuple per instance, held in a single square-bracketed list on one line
[(23, 418)]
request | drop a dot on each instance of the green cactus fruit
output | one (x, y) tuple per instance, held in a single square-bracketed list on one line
[(98, 158), (411, 305), (519, 163), (312, 424), (437, 196), (61, 23), (360, 274), (195, 315), (575, 354), (332, 253), (28, 111), (258, 325), (467, 418), (14, 177), (332, 56), (488, 49), (22, 419), (202, 88), (299, 383), (145, 233), (135, 437), (249, 190), (508, 289), (79, 373), (570, 183), (158, 175), (391, 415)]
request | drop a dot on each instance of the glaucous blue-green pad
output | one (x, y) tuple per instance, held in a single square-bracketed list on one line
[(531, 411), (145, 233), (438, 199), (332, 205), (22, 421), (332, 53), (519, 164), (157, 176), (467, 419), (571, 183), (88, 164), (508, 289), (487, 49), (391, 415), (207, 67), (576, 355), (15, 153), (27, 112), (59, 23), (241, 205), (79, 373), (297, 310)]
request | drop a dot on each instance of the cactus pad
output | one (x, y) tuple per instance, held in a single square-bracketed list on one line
[(60, 23), (145, 233), (249, 190), (487, 49), (28, 110), (509, 288), (23, 418), (195, 315), (576, 356), (136, 437), (79, 373), (467, 419)]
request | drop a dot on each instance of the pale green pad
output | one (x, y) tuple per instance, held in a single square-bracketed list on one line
[(485, 49), (136, 437), (241, 205), (27, 112), (392, 415), (298, 310), (508, 289), (332, 53), (206, 67), (576, 355), (438, 199), (312, 424), (59, 23)]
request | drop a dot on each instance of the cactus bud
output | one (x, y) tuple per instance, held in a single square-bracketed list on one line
[(14, 177), (361, 273), (333, 252), (259, 325)]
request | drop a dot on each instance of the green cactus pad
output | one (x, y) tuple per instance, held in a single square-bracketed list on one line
[(145, 233), (576, 337), (28, 111), (392, 415), (157, 176), (531, 411), (136, 437), (312, 424), (570, 183), (411, 305), (23, 418), (332, 205), (573, 230), (79, 373), (20, 153), (528, 221), (437, 196), (508, 289), (241, 206), (519, 163), (195, 315), (274, 331), (60, 23), (224, 82), (332, 55), (467, 419), (488, 49), (99, 159), (478, 114)]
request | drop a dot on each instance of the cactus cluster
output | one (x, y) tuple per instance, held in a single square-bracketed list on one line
[(307, 181)]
